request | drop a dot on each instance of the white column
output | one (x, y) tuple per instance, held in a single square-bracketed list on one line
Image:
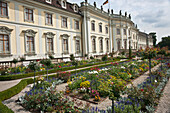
[(110, 36), (58, 43), (39, 17), (114, 38), (84, 34), (122, 45), (18, 41), (88, 36), (71, 46), (127, 37), (40, 42)]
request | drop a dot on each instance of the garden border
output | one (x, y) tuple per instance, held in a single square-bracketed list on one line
[(20, 76)]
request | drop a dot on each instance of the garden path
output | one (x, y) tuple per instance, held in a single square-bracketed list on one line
[(8, 84), (103, 105), (164, 103)]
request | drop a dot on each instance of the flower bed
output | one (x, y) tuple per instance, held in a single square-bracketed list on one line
[(103, 81), (41, 71)]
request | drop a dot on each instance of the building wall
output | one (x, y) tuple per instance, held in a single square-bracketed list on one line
[(88, 14)]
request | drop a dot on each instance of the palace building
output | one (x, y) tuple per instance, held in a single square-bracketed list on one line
[(35, 29)]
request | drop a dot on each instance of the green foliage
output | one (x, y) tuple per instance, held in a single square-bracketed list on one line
[(165, 42), (46, 62), (104, 58), (130, 52), (19, 76), (22, 59), (86, 96), (4, 108), (72, 58), (154, 38), (33, 65), (51, 56), (15, 61), (91, 57)]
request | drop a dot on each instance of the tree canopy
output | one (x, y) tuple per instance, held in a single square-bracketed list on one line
[(165, 42), (153, 34)]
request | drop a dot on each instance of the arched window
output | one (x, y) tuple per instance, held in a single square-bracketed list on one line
[(107, 45), (94, 45), (118, 44), (101, 45)]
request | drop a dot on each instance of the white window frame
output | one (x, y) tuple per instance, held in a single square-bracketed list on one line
[(51, 36), (30, 33), (49, 1), (6, 31)]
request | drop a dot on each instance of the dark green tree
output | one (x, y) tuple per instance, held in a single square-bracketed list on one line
[(165, 42), (153, 34)]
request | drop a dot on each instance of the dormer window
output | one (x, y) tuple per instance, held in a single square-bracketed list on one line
[(48, 1), (64, 4), (75, 8)]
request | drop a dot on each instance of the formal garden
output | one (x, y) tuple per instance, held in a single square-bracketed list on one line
[(91, 82)]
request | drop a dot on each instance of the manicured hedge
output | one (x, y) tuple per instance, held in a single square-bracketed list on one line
[(19, 76), (11, 92)]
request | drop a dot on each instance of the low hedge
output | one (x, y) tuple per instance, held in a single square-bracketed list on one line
[(19, 76), (21, 85), (11, 92)]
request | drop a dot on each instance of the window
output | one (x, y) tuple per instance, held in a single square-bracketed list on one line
[(28, 14), (4, 9), (118, 31), (63, 4), (64, 22), (106, 30), (77, 46), (48, 1), (29, 41), (75, 8), (100, 28), (48, 19), (30, 44), (124, 31), (129, 32), (76, 24), (49, 45), (94, 45), (4, 44), (107, 45), (101, 45), (65, 46), (93, 26)]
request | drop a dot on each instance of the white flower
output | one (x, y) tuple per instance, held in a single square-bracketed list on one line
[(155, 80), (122, 67), (39, 82)]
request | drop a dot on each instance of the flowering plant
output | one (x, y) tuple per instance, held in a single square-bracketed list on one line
[(85, 84), (94, 93)]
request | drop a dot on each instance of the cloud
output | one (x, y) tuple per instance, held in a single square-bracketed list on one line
[(150, 15)]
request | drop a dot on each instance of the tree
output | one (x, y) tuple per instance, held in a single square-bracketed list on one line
[(165, 42), (153, 34), (15, 61), (47, 63)]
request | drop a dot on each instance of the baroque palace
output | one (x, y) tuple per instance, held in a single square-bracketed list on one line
[(35, 29)]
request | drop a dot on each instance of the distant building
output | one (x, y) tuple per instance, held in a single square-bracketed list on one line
[(35, 29)]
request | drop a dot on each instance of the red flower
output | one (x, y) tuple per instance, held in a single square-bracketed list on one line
[(141, 89), (37, 60), (59, 66), (43, 65)]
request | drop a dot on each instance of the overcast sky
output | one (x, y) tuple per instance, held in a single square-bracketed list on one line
[(149, 15)]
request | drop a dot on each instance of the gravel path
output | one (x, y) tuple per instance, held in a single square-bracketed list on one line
[(164, 103), (103, 105), (8, 84)]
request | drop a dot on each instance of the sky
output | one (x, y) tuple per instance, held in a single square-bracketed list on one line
[(149, 15)]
